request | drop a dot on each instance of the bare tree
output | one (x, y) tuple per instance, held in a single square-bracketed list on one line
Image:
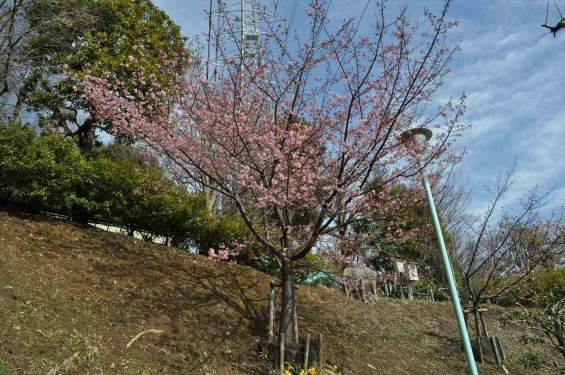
[(12, 35), (503, 247), (32, 32), (452, 202), (452, 196)]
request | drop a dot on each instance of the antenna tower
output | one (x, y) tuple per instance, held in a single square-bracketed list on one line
[(245, 27)]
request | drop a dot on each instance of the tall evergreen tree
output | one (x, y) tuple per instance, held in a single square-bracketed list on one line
[(63, 40)]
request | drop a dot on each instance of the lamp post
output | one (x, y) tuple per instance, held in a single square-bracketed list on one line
[(419, 136)]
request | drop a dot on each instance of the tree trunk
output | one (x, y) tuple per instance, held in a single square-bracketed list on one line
[(560, 337), (288, 300), (86, 135), (476, 316), (211, 199), (211, 196), (16, 114)]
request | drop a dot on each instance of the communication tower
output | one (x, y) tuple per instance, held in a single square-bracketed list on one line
[(245, 28)]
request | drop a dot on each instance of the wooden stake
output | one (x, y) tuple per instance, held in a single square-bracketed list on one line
[(409, 290), (495, 350), (401, 289), (306, 351), (320, 352), (483, 323), (466, 314), (363, 290), (374, 285), (281, 352), (499, 345), (295, 324), (481, 357), (466, 318), (271, 313), (476, 316)]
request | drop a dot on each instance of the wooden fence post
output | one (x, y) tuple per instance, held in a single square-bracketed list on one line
[(295, 324), (306, 351), (363, 294), (483, 321), (281, 352), (499, 344), (320, 353), (271, 312), (409, 290), (497, 355)]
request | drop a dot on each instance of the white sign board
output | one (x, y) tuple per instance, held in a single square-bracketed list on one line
[(411, 272), (398, 266)]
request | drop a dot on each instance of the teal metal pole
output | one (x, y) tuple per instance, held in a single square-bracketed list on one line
[(451, 280)]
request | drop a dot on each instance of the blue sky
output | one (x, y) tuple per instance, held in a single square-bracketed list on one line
[(515, 84)]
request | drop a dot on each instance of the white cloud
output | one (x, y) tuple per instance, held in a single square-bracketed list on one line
[(516, 100)]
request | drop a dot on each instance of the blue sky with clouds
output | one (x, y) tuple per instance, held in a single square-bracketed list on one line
[(515, 84)]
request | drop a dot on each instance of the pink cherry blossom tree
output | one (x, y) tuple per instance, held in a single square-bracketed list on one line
[(303, 143)]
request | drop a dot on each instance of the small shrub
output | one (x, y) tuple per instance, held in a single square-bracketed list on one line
[(530, 360), (532, 339), (545, 281), (45, 172), (36, 171), (424, 285), (549, 318)]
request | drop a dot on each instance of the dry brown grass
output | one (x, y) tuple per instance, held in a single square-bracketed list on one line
[(71, 298)]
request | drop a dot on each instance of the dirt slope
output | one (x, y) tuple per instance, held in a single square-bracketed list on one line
[(71, 298)]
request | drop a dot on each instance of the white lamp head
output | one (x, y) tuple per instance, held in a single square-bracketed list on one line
[(417, 136)]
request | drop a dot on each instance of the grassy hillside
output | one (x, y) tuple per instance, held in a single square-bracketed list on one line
[(71, 298)]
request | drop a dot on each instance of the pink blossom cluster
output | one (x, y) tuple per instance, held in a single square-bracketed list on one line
[(317, 137), (223, 254)]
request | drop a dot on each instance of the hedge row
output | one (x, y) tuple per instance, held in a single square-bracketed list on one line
[(42, 172)]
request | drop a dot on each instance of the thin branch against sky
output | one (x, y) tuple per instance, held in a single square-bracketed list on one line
[(516, 101)]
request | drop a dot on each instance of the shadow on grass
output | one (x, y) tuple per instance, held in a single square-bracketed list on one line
[(206, 309), (206, 304), (449, 344)]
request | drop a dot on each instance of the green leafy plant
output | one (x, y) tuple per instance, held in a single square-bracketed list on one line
[(45, 172), (264, 354), (542, 282), (531, 360), (549, 319), (532, 339)]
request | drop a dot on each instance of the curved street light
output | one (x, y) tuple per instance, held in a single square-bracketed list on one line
[(418, 136)]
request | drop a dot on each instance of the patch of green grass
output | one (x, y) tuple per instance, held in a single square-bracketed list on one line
[(44, 333), (3, 367)]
